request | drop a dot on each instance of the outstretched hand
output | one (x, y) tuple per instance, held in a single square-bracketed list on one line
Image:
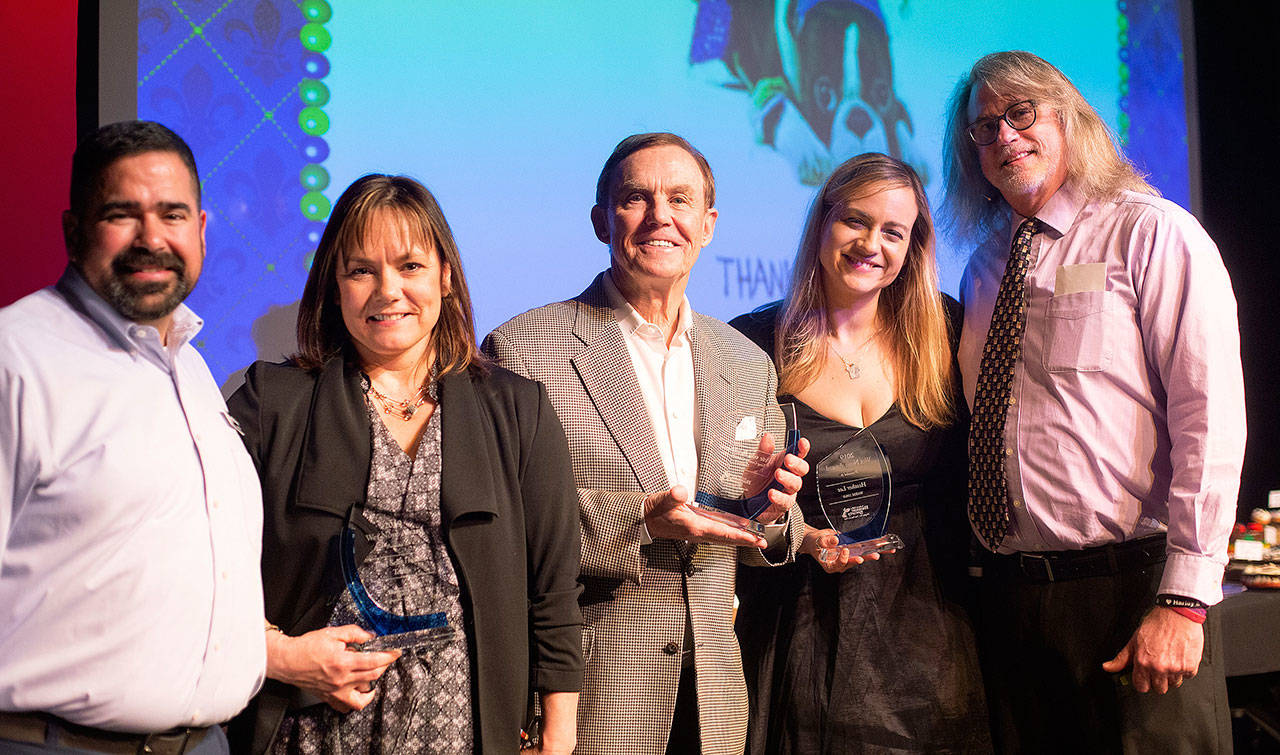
[(668, 515), (320, 663)]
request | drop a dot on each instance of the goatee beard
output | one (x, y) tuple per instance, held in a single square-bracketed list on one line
[(130, 298)]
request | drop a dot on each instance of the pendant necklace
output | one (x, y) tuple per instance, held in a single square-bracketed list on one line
[(851, 366), (402, 408)]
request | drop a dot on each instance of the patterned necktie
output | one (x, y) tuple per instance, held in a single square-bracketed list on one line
[(988, 487)]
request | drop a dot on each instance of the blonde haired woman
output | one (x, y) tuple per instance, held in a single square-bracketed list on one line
[(879, 656)]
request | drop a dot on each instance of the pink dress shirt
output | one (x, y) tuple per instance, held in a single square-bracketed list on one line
[(1127, 409)]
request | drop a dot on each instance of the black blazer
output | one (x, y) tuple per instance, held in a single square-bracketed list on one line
[(509, 513)]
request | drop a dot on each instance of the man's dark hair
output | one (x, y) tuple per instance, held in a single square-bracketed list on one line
[(97, 151), (636, 142)]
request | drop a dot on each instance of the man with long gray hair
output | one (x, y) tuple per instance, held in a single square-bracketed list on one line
[(1102, 365)]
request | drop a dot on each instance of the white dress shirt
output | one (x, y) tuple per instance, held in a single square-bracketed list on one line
[(130, 537), (1126, 416), (665, 373)]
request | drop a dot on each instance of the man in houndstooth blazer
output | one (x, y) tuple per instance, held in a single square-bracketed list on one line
[(659, 579)]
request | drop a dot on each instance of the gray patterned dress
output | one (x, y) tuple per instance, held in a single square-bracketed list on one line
[(423, 701)]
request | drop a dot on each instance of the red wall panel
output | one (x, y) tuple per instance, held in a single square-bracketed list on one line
[(37, 137)]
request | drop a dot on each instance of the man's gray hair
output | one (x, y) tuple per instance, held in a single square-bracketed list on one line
[(1095, 165)]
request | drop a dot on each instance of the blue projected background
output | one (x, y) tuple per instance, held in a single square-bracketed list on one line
[(506, 111)]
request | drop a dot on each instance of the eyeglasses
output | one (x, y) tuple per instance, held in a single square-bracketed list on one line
[(1020, 116)]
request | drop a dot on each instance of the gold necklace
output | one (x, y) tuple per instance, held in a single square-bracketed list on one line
[(402, 408)]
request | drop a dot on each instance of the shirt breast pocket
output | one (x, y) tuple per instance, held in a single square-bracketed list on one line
[(1077, 338)]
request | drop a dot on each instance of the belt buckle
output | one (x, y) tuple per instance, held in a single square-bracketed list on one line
[(166, 741), (1024, 557)]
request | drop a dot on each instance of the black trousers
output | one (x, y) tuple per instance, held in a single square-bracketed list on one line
[(1042, 646), (686, 737)]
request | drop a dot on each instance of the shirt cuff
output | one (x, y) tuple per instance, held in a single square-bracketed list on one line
[(1193, 577), (645, 537)]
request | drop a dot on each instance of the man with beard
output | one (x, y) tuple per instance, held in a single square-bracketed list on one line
[(130, 596), (1102, 364)]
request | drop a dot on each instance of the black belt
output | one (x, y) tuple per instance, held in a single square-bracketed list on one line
[(1099, 561), (33, 728)]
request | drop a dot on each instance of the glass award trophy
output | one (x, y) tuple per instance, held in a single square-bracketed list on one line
[(394, 631), (854, 486), (753, 455)]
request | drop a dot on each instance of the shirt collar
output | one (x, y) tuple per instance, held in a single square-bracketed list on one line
[(130, 335), (1058, 213), (630, 319)]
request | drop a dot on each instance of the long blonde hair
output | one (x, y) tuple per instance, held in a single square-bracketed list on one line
[(910, 309), (1095, 166)]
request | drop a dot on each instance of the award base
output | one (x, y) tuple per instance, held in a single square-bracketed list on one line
[(863, 548), (417, 638), (723, 510)]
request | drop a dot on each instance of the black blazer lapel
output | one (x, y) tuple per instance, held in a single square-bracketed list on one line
[(466, 434), (333, 473)]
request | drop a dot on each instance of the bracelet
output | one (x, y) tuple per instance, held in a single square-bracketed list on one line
[(269, 627), (1177, 601), (1198, 615)]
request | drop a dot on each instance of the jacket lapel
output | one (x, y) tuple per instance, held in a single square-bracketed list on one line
[(334, 471), (609, 378), (716, 418), (465, 486)]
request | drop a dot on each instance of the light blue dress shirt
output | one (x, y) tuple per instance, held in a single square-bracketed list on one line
[(130, 522)]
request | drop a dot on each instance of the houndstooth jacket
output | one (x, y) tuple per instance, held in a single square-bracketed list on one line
[(634, 601)]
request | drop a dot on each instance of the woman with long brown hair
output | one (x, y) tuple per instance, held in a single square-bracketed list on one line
[(842, 655), (408, 484)]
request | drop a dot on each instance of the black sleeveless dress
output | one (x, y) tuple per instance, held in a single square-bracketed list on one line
[(882, 657)]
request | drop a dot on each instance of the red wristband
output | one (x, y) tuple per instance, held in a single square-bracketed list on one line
[(1195, 614)]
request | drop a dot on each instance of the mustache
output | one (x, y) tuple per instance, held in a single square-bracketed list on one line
[(1006, 153), (139, 258)]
